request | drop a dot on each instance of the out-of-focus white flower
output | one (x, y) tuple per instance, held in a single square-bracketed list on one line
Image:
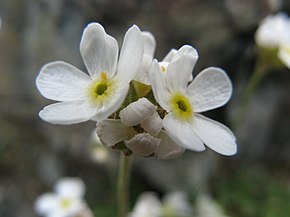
[(274, 34), (97, 95), (173, 204), (140, 127), (98, 151), (182, 102), (176, 204), (147, 205), (273, 31), (66, 201), (207, 207)]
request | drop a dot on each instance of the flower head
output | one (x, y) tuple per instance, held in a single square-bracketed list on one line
[(182, 102), (66, 201), (97, 95), (140, 128), (273, 31), (273, 35)]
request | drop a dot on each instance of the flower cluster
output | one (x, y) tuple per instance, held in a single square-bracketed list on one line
[(141, 106), (273, 35), (66, 201)]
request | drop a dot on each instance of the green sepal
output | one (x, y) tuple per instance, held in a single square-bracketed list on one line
[(141, 89), (268, 58)]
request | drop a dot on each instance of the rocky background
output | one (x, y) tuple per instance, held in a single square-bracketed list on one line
[(34, 154)]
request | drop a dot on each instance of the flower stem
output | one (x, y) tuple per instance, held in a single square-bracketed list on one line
[(123, 184), (259, 72)]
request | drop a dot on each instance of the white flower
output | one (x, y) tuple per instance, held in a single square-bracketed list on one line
[(176, 204), (173, 204), (140, 127), (97, 95), (206, 206), (66, 201), (98, 151), (210, 89), (147, 205), (273, 31)]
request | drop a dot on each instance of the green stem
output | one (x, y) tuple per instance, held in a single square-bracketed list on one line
[(123, 184), (259, 72)]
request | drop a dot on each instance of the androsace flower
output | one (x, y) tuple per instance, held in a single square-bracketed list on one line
[(147, 205), (273, 34), (273, 31), (182, 102), (66, 201), (95, 96), (140, 127)]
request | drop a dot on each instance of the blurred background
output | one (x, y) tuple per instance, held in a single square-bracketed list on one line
[(34, 154)]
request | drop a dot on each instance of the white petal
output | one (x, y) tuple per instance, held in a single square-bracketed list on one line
[(131, 55), (149, 49), (182, 133), (284, 55), (112, 131), (142, 73), (186, 50), (210, 89), (136, 112), (70, 187), (170, 55), (142, 144), (62, 82), (45, 203), (215, 135), (99, 50), (147, 205), (68, 112), (159, 88), (149, 43), (179, 72), (152, 124), (112, 104), (167, 149)]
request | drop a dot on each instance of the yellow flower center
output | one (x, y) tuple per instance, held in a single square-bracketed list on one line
[(181, 107), (101, 89), (65, 203)]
